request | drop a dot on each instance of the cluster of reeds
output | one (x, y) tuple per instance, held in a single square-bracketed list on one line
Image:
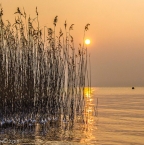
[(42, 76)]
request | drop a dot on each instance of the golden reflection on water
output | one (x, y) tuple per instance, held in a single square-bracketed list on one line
[(89, 114), (81, 130)]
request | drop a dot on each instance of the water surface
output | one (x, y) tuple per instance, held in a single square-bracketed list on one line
[(118, 119), (120, 116)]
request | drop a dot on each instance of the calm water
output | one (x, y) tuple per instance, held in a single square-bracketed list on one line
[(120, 116), (118, 119)]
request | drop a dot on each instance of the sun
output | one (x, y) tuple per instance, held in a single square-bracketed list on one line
[(87, 41)]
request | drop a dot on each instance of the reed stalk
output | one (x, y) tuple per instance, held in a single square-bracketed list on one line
[(39, 77)]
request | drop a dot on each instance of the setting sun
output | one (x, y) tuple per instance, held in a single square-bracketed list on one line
[(87, 41)]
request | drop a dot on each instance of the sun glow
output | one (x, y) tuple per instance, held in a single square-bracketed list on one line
[(87, 92), (87, 41)]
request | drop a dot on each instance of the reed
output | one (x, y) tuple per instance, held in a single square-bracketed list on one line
[(42, 76)]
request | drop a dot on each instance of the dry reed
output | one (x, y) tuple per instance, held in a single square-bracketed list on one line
[(42, 76)]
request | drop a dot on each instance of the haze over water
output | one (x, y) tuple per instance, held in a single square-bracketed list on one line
[(116, 33)]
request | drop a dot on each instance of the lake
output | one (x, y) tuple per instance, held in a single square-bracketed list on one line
[(120, 116), (113, 116)]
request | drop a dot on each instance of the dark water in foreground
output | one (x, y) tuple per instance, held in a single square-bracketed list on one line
[(118, 120)]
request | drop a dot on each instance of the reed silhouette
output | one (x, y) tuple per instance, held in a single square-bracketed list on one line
[(42, 76)]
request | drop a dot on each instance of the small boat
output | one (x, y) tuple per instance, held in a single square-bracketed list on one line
[(133, 88)]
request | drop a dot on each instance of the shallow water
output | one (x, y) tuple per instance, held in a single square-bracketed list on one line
[(118, 119)]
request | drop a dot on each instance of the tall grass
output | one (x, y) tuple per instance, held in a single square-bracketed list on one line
[(41, 75)]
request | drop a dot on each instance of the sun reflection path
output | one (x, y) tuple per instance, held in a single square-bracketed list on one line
[(90, 114)]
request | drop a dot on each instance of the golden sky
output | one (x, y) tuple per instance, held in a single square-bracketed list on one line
[(116, 33)]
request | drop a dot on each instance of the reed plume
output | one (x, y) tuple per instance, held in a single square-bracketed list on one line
[(39, 78)]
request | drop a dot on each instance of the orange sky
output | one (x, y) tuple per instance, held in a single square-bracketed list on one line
[(116, 32)]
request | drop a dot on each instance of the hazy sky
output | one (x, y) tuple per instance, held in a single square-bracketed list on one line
[(116, 33)]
